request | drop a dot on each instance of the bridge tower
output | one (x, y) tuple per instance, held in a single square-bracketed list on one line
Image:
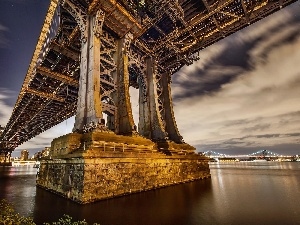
[(108, 66), (105, 158)]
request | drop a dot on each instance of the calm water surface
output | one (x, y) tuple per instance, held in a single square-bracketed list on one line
[(237, 193)]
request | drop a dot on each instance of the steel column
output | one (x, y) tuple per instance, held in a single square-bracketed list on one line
[(89, 110), (144, 112), (124, 119), (158, 132), (171, 126)]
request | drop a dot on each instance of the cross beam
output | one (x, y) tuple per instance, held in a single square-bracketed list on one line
[(58, 76), (65, 51), (44, 95), (194, 22)]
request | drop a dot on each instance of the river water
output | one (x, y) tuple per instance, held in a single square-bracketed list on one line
[(237, 193)]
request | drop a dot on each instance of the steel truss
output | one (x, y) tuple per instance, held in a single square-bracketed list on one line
[(168, 32)]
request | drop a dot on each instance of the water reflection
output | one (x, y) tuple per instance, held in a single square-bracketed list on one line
[(238, 193), (17, 185), (256, 193), (152, 207)]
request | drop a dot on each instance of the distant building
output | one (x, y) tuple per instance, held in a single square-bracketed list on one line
[(5, 158), (2, 157), (24, 155), (46, 152), (37, 155)]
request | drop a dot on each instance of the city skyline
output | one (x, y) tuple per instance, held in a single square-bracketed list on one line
[(239, 97)]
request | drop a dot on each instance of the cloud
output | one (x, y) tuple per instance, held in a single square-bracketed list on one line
[(263, 47), (134, 99), (183, 82), (3, 40), (251, 106), (231, 57), (5, 108)]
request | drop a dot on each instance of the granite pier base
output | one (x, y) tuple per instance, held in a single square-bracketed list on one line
[(90, 167)]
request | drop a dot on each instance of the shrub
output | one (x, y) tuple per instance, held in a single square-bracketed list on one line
[(8, 216), (67, 220)]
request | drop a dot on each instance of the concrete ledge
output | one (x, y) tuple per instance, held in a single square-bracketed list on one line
[(101, 141)]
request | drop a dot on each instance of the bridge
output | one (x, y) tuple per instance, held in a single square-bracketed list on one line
[(160, 34), (260, 154), (88, 54)]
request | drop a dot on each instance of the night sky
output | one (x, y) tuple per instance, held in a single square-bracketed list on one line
[(240, 97)]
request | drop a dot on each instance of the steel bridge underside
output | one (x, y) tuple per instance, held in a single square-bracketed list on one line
[(169, 30)]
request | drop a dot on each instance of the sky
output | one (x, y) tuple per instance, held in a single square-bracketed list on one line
[(240, 97)]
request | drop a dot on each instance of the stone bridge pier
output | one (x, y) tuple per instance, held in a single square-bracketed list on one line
[(102, 159)]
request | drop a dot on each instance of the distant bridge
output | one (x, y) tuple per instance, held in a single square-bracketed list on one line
[(258, 154)]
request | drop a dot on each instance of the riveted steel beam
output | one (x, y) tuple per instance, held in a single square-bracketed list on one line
[(49, 96), (191, 24), (58, 76), (64, 50), (118, 19)]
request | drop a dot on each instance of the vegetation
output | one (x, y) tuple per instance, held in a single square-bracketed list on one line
[(67, 220), (8, 216)]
